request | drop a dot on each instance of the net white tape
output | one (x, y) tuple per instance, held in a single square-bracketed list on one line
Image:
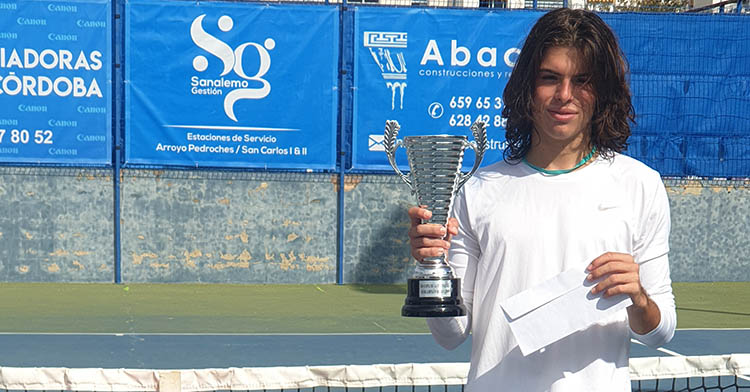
[(273, 378), (652, 368), (301, 377)]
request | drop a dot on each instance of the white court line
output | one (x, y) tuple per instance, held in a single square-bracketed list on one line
[(216, 333), (713, 329), (292, 333), (662, 349)]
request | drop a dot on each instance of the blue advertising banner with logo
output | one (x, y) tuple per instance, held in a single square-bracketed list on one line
[(435, 72), (215, 84), (55, 82)]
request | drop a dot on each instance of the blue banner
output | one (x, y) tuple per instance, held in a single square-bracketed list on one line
[(231, 84), (55, 82), (435, 72)]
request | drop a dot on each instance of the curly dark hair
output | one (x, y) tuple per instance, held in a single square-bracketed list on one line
[(597, 44)]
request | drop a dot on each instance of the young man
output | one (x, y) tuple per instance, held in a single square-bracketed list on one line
[(564, 198)]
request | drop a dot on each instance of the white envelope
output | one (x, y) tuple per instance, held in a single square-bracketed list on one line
[(556, 308), (375, 142)]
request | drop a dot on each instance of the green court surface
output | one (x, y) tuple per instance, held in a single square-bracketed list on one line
[(274, 309)]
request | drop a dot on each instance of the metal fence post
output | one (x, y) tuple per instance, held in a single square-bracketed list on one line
[(117, 116)]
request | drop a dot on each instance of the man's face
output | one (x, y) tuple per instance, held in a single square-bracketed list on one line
[(563, 98)]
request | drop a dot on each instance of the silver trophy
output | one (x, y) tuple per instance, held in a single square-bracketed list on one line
[(435, 176)]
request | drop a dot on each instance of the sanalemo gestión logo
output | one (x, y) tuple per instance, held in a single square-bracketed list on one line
[(233, 82)]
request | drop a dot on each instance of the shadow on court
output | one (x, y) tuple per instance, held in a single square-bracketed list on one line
[(711, 311), (381, 289)]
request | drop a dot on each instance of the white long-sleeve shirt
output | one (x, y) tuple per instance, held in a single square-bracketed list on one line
[(518, 228)]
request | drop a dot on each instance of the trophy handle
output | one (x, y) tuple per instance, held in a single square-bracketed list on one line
[(391, 144), (479, 145)]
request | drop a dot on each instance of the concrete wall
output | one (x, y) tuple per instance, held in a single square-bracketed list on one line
[(239, 227), (376, 247), (710, 238), (228, 227), (56, 225)]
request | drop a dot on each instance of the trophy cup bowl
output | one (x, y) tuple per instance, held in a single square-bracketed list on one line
[(435, 177)]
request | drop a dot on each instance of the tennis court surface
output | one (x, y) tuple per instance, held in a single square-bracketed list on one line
[(306, 337)]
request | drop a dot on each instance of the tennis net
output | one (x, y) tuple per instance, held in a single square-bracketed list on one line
[(700, 373)]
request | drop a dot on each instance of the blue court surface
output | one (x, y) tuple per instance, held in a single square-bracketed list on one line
[(196, 351)]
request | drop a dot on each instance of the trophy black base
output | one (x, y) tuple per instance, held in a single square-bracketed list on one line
[(433, 298)]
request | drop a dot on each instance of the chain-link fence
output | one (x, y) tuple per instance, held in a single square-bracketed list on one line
[(676, 6)]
